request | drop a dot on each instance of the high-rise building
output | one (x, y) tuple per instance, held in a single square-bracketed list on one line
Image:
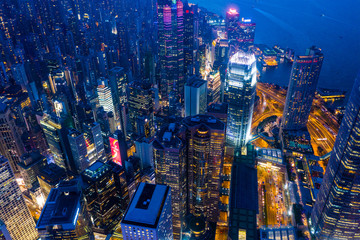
[(141, 108), (103, 197), (243, 203), (171, 48), (240, 86), (52, 131), (171, 170), (49, 177), (149, 214), (195, 96), (205, 136), (64, 215), (336, 213), (231, 23), (94, 140), (13, 209), (246, 31), (78, 150), (189, 42), (301, 91), (30, 166), (118, 81), (213, 87), (105, 96), (11, 145)]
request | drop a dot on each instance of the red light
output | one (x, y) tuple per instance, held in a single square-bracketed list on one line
[(115, 151), (187, 11)]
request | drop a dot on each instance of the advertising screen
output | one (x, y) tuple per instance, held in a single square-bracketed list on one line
[(115, 151)]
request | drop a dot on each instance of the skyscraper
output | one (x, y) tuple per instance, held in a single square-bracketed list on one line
[(149, 214), (301, 91), (13, 209), (141, 108), (79, 151), (11, 145), (64, 215), (195, 96), (105, 96), (336, 214), (239, 93), (231, 23), (205, 136), (52, 131), (171, 48), (103, 197), (171, 170)]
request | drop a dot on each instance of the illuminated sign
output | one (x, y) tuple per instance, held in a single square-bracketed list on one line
[(115, 151), (233, 11), (242, 234)]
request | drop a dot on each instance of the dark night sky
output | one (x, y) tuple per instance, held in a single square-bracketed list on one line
[(329, 24)]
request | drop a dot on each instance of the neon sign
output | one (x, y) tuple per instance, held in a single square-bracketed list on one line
[(115, 151)]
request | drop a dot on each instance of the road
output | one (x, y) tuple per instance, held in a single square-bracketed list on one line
[(322, 126)]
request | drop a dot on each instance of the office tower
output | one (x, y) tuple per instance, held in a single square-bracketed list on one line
[(141, 108), (144, 151), (171, 170), (49, 177), (240, 86), (231, 23), (118, 80), (213, 87), (105, 96), (30, 166), (13, 209), (103, 197), (195, 96), (171, 45), (78, 150), (336, 214), (94, 140), (64, 215), (189, 42), (246, 31), (11, 145), (205, 136), (4, 233), (52, 131), (301, 91), (243, 204), (221, 52), (149, 214)]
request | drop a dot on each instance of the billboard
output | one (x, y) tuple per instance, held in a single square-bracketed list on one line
[(115, 151)]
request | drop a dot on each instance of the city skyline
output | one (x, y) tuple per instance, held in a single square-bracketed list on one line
[(162, 119)]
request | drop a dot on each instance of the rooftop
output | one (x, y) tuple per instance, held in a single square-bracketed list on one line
[(96, 170), (61, 208), (210, 121), (146, 206), (243, 58)]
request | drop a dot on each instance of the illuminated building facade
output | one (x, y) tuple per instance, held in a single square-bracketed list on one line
[(49, 177), (195, 96), (105, 96), (246, 31), (64, 215), (171, 170), (240, 86), (171, 48), (141, 108), (52, 131), (11, 145), (149, 214), (94, 140), (214, 87), (301, 91), (30, 166), (118, 148), (103, 198), (336, 214), (13, 209), (79, 151), (205, 136), (231, 23)]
